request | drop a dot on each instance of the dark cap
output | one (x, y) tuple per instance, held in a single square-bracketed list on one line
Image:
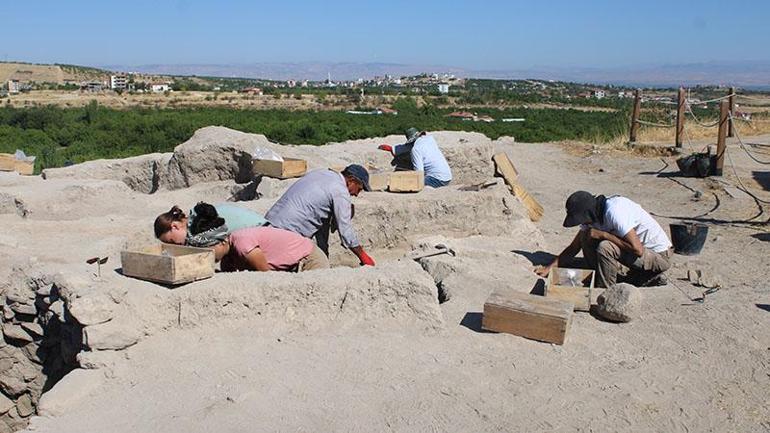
[(412, 134), (358, 173), (581, 206)]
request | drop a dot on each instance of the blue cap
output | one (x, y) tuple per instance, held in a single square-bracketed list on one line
[(359, 173)]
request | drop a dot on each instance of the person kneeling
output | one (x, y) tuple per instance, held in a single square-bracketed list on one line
[(269, 249), (615, 232)]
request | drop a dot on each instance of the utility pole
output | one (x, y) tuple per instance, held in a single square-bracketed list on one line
[(635, 115), (680, 107)]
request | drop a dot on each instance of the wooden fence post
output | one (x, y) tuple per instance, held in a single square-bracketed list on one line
[(731, 99), (724, 107), (680, 106), (635, 115)]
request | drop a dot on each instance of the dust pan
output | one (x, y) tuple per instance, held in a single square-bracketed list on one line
[(505, 168)]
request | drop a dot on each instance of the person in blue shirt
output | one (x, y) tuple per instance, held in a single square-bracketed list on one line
[(425, 156), (176, 227)]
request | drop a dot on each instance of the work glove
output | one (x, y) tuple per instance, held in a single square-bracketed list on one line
[(365, 259), (386, 147)]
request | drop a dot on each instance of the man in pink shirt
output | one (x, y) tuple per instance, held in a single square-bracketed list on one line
[(270, 249)]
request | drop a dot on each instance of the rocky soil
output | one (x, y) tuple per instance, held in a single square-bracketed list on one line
[(371, 349)]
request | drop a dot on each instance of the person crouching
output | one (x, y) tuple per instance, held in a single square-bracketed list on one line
[(269, 249)]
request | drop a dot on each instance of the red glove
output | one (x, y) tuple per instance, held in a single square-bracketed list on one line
[(365, 259), (386, 147)]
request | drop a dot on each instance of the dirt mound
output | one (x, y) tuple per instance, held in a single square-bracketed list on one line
[(218, 153)]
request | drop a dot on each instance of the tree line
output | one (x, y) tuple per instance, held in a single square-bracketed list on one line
[(59, 136)]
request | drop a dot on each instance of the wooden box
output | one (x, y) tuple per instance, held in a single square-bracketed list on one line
[(9, 162), (289, 167), (406, 181), (529, 316), (571, 285), (379, 181), (169, 264)]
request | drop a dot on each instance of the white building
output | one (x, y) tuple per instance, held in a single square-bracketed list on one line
[(599, 94), (118, 82), (160, 87), (13, 87), (443, 88)]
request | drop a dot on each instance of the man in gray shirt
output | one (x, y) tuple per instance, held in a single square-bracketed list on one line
[(309, 206)]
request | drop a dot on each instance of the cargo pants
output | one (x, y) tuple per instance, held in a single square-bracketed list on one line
[(608, 259)]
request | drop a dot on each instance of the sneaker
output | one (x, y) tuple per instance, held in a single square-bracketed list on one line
[(658, 280)]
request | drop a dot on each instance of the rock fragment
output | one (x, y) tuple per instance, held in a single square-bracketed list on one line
[(619, 303)]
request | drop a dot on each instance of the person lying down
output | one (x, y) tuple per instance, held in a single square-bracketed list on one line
[(250, 248)]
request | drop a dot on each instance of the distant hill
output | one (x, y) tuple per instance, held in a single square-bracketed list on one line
[(752, 74), (58, 74)]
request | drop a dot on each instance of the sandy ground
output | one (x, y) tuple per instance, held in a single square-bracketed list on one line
[(683, 366)]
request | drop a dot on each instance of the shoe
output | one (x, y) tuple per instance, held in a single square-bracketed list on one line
[(658, 280)]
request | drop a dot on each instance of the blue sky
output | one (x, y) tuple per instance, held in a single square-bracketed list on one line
[(471, 34)]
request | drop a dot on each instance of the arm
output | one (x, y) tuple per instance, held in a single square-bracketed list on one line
[(257, 260), (630, 242), (571, 251), (362, 256), (341, 207), (417, 163)]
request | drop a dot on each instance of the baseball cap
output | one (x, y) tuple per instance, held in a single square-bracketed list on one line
[(580, 207), (359, 173)]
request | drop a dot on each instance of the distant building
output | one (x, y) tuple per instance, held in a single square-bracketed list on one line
[(13, 87), (464, 115), (160, 87), (443, 88), (118, 82), (92, 86), (599, 94), (252, 91), (291, 84)]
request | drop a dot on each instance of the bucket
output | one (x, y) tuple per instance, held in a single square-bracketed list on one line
[(688, 238)]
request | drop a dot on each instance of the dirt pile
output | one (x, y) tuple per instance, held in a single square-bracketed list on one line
[(61, 313), (217, 153)]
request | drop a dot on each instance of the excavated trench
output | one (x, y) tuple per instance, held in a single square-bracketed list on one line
[(54, 323)]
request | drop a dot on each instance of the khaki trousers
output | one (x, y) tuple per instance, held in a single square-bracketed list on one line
[(315, 260), (608, 259)]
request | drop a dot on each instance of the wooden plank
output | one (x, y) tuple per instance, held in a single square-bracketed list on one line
[(379, 181), (169, 264), (560, 287), (530, 316), (288, 168), (406, 181), (507, 170), (8, 162)]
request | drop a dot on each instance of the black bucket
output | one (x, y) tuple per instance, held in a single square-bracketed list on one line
[(688, 238)]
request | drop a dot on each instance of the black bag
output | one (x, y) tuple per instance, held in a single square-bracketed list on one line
[(695, 165)]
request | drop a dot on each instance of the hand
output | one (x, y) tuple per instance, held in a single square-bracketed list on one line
[(543, 270), (365, 259), (386, 147), (596, 234)]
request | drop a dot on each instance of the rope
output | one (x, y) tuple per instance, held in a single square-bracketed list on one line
[(753, 98), (743, 146), (709, 125), (740, 182), (659, 125), (715, 99)]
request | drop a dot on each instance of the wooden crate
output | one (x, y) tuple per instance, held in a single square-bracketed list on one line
[(406, 181), (289, 167), (561, 287), (529, 316), (169, 264), (379, 181), (8, 162)]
